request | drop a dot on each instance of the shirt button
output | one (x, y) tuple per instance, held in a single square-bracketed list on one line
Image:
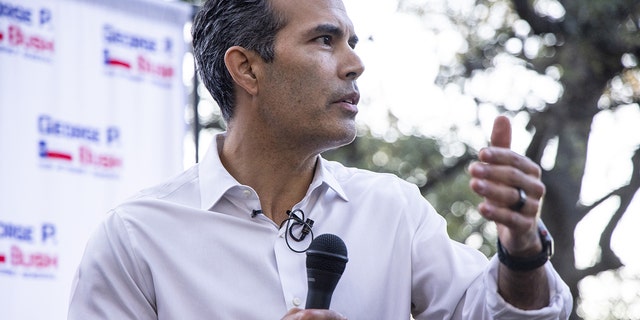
[(297, 301), (247, 193)]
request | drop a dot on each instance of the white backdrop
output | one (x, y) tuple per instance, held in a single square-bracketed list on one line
[(91, 110)]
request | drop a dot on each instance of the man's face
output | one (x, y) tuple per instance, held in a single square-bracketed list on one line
[(309, 91)]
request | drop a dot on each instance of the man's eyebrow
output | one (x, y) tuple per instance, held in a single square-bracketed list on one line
[(335, 31)]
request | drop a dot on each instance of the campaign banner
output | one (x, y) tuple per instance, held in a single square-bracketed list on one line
[(92, 103)]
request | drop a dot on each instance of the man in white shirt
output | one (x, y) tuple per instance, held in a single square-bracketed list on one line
[(223, 241)]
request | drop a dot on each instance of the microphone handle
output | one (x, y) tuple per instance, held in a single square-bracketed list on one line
[(321, 284), (318, 300)]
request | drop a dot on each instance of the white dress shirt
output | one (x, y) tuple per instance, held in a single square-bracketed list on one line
[(191, 249)]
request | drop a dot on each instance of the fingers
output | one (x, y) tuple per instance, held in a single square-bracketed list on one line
[(505, 180), (312, 314), (505, 196), (501, 133), (498, 178), (516, 231), (504, 216), (291, 314), (506, 157)]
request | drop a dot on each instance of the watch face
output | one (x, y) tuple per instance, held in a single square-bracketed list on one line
[(547, 239)]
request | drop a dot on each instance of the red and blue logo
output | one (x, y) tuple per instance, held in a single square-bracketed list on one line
[(115, 62), (28, 250), (27, 31), (53, 154), (79, 148), (137, 57)]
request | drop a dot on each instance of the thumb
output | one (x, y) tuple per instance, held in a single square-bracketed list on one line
[(501, 134)]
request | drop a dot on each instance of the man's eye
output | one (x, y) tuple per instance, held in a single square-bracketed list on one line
[(326, 40)]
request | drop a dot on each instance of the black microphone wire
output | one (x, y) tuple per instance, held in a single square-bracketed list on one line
[(295, 221)]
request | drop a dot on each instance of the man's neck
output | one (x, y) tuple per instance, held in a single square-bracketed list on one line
[(279, 176)]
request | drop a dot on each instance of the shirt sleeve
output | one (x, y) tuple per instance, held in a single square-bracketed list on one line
[(108, 283), (453, 281), (560, 300)]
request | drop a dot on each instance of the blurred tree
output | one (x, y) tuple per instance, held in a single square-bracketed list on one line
[(589, 48)]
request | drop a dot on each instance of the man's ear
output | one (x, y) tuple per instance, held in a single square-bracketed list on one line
[(240, 63)]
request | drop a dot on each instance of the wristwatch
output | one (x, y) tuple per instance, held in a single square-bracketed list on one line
[(529, 263)]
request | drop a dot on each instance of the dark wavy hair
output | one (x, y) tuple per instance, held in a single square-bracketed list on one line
[(221, 24)]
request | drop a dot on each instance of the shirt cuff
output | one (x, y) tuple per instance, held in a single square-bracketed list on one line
[(560, 300)]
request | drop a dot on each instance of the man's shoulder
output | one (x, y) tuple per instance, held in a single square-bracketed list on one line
[(180, 189), (353, 175)]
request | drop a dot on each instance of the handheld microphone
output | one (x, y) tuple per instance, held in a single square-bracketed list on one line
[(326, 260)]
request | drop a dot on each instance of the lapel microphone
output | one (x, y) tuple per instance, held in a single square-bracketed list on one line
[(293, 224), (254, 213)]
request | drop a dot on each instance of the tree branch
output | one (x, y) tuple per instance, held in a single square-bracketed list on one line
[(615, 39), (436, 176), (583, 210), (609, 259), (538, 24)]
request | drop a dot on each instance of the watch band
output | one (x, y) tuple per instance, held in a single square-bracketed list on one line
[(533, 262)]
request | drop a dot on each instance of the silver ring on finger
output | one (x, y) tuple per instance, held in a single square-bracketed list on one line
[(522, 199)]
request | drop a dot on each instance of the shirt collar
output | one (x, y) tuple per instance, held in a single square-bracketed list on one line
[(326, 176), (215, 180)]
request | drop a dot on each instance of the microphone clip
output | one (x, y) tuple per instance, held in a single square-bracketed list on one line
[(294, 222), (254, 213), (306, 229)]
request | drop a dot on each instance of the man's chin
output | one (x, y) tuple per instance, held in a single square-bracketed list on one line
[(347, 137)]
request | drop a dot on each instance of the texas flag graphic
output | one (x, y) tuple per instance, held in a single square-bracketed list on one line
[(111, 61), (52, 154)]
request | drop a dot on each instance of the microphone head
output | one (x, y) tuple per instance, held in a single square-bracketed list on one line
[(327, 252), (326, 260)]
